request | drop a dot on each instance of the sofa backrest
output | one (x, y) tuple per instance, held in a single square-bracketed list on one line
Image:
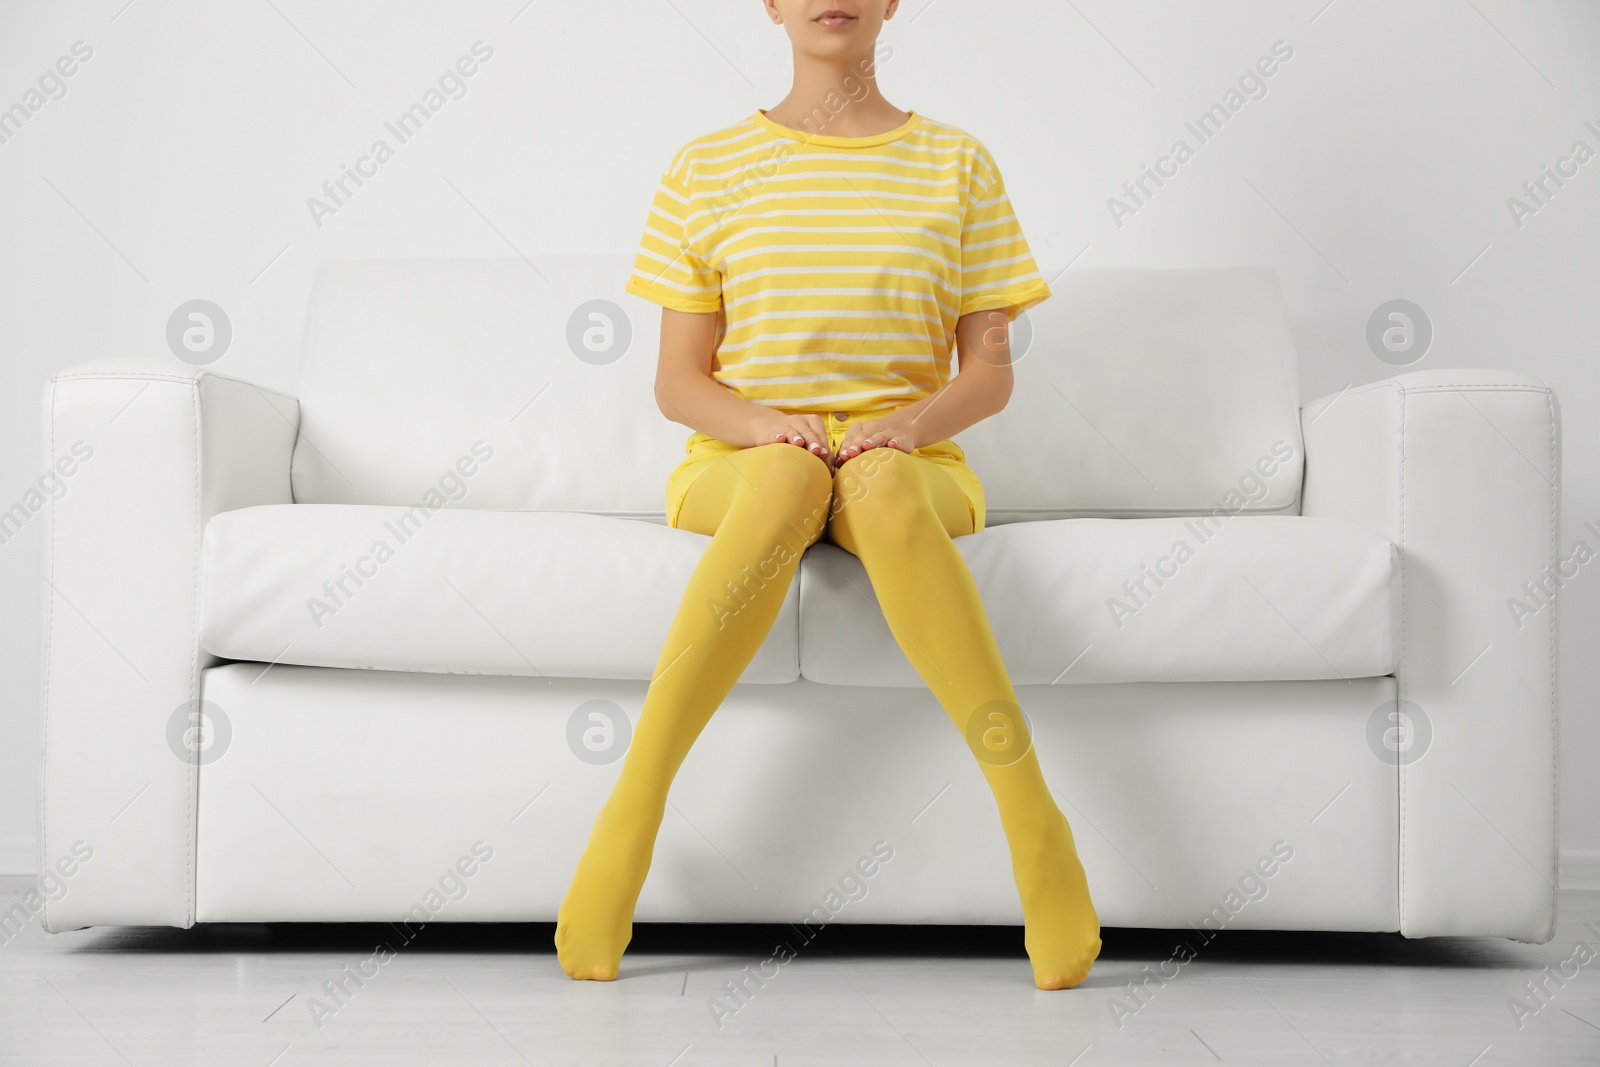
[(544, 363), (1144, 392), (528, 384)]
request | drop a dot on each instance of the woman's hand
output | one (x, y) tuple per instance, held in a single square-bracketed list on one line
[(805, 431), (875, 433)]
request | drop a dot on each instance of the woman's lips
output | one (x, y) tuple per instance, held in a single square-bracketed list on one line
[(834, 20)]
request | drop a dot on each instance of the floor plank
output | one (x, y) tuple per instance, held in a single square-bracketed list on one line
[(494, 994)]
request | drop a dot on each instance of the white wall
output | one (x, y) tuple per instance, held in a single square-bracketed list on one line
[(1378, 165)]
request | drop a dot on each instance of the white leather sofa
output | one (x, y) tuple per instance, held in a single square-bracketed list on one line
[(434, 723)]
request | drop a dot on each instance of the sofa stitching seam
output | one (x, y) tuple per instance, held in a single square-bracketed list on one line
[(1521, 387), (799, 577), (112, 375), (49, 631), (1524, 387), (1555, 722), (194, 663), (181, 379), (1401, 689)]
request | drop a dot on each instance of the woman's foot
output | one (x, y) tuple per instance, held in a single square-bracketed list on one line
[(595, 922), (1063, 931)]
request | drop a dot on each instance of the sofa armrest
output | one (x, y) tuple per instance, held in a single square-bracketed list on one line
[(143, 455), (1462, 470)]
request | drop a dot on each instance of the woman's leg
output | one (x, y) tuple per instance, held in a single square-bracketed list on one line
[(898, 512), (762, 508)]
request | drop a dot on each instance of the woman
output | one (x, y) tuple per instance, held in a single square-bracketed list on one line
[(813, 284)]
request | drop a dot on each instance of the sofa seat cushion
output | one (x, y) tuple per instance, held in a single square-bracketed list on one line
[(455, 590), (1214, 598)]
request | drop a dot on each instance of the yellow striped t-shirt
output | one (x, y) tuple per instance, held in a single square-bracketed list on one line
[(839, 265)]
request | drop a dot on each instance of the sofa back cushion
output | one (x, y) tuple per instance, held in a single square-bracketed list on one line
[(527, 383), (544, 366), (1143, 391)]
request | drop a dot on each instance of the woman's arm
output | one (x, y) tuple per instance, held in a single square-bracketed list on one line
[(686, 393), (982, 388)]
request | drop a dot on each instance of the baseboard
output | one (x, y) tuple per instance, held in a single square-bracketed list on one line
[(1580, 867), (19, 854)]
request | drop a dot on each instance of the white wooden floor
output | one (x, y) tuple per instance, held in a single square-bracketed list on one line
[(243, 995)]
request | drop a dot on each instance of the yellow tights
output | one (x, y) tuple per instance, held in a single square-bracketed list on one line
[(897, 512)]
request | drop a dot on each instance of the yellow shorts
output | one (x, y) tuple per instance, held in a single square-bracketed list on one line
[(700, 450)]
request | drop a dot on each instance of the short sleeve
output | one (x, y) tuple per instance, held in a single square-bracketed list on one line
[(665, 271), (997, 267)]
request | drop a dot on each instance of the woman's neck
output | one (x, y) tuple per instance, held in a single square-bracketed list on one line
[(836, 100)]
